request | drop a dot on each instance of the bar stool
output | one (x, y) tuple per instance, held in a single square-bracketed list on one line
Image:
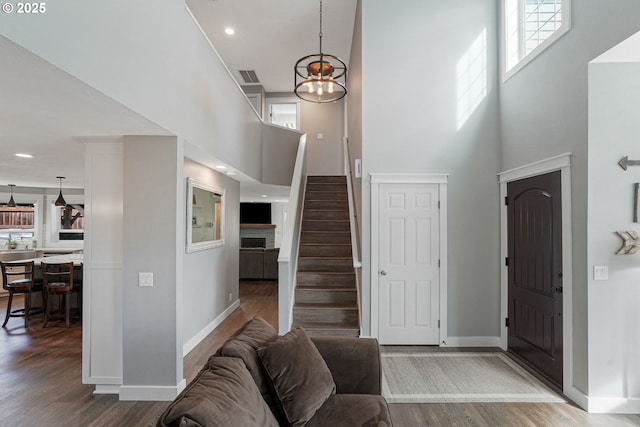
[(22, 285), (57, 281)]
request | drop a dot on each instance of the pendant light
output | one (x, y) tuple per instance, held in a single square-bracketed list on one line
[(60, 200), (11, 203), (320, 77)]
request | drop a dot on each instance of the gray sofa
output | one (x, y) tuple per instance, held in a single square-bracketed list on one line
[(258, 378)]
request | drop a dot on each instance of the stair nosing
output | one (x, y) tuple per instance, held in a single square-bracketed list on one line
[(326, 288), (341, 273), (327, 326), (325, 306)]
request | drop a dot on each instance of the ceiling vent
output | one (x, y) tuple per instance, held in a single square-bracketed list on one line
[(249, 76)]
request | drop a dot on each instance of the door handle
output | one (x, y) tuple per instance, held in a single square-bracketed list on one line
[(556, 290), (383, 272)]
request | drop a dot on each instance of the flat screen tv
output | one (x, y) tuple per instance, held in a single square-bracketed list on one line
[(255, 213)]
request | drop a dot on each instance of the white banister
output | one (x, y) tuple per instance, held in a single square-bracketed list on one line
[(355, 241), (353, 223), (288, 256)]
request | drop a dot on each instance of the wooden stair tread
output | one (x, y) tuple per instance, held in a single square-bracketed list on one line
[(323, 325), (322, 306), (330, 273), (345, 233), (326, 295), (321, 244), (320, 288)]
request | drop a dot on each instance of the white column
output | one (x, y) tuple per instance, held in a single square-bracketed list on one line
[(102, 282)]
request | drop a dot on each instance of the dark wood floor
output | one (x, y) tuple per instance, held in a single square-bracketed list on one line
[(40, 382)]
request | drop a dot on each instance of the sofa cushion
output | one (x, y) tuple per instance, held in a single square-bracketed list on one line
[(301, 379), (352, 410), (222, 395), (255, 334)]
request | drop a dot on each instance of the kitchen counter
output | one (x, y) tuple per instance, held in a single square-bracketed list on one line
[(16, 254)]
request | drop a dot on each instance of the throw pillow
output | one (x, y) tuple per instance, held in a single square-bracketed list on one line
[(300, 377), (255, 334), (222, 395)]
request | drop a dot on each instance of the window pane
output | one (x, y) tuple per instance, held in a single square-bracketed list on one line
[(541, 18), (284, 115)]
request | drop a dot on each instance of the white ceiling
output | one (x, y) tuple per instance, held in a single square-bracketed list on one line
[(43, 109), (270, 36)]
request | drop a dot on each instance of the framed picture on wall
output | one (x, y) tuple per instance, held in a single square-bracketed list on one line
[(205, 216)]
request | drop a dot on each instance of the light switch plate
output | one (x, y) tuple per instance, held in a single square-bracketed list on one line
[(145, 279), (600, 272)]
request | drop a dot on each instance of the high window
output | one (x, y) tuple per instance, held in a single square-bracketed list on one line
[(530, 26)]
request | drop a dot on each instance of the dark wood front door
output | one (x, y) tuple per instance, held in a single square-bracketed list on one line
[(534, 208)]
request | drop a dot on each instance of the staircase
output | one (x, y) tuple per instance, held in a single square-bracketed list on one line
[(326, 300)]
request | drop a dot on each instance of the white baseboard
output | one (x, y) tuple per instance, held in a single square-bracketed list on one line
[(107, 389), (578, 397), (152, 393), (193, 342), (472, 342), (613, 405)]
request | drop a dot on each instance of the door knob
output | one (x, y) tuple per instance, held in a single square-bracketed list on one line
[(383, 272), (556, 290)]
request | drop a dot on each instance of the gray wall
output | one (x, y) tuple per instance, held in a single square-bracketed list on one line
[(324, 156), (410, 124), (353, 105), (279, 150), (211, 275), (543, 113), (152, 318), (614, 318)]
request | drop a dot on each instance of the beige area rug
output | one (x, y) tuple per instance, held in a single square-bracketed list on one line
[(459, 377)]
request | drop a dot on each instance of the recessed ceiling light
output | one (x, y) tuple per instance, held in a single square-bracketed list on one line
[(264, 195), (231, 173), (221, 167), (24, 155), (229, 31)]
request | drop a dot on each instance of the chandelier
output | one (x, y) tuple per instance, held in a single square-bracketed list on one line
[(317, 76)]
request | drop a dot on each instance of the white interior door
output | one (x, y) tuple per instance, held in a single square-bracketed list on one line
[(408, 258)]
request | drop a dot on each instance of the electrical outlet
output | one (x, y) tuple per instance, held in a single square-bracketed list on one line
[(230, 296), (145, 279)]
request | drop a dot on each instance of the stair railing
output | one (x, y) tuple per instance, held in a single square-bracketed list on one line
[(353, 223), (288, 255)]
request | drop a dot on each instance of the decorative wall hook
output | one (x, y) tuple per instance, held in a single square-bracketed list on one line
[(630, 242), (625, 162)]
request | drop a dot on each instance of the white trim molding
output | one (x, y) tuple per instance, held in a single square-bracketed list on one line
[(152, 393), (562, 163), (613, 405), (409, 178), (565, 26), (471, 342), (202, 334)]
